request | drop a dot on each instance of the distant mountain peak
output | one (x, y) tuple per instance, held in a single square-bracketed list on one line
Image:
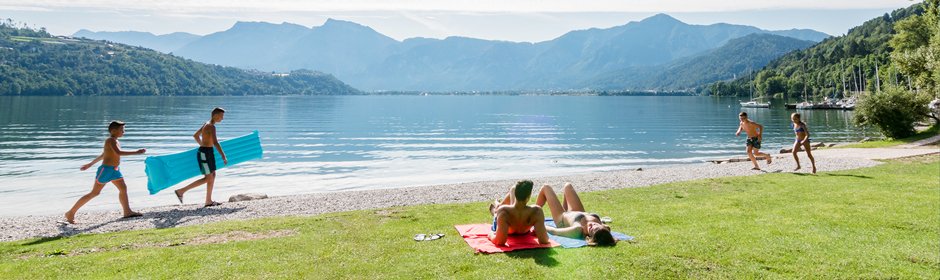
[(338, 23), (662, 19), (332, 21), (264, 25)]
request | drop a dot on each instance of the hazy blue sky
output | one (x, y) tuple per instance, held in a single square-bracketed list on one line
[(516, 20)]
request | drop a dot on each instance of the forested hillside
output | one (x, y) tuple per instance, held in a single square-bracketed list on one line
[(735, 59), (32, 62), (847, 63)]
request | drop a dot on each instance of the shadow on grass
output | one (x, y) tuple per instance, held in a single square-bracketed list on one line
[(42, 240), (850, 175), (160, 219), (834, 175), (173, 217), (541, 257)]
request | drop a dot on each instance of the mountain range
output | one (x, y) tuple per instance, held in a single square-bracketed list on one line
[(33, 62), (654, 47), (166, 43)]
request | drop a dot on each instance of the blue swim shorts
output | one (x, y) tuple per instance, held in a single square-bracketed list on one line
[(107, 173)]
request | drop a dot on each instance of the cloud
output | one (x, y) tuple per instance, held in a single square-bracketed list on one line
[(215, 6)]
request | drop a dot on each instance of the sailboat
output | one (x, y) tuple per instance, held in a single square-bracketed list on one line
[(805, 105), (754, 103)]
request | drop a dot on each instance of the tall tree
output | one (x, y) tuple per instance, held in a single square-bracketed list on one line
[(917, 48)]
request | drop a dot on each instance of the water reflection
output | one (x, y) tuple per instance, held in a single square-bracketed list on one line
[(332, 143)]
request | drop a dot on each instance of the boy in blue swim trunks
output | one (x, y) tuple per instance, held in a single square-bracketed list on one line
[(755, 133), (108, 172), (205, 157)]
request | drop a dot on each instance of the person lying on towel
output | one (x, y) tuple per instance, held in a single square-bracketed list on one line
[(571, 218), (513, 216)]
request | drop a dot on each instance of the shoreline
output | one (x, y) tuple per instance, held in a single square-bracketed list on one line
[(23, 227)]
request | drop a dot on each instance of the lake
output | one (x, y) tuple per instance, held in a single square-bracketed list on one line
[(336, 143)]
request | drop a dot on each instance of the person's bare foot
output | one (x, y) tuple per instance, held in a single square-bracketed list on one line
[(797, 168), (770, 159), (814, 170), (179, 196), (132, 214), (493, 207), (70, 217), (756, 168)]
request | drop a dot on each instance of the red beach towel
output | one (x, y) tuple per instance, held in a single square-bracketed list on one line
[(476, 236)]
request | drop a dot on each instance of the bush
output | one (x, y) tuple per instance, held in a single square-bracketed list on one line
[(893, 111)]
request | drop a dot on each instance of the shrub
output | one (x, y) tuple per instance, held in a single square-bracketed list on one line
[(893, 111)]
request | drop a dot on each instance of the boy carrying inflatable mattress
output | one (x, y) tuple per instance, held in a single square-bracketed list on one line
[(168, 170)]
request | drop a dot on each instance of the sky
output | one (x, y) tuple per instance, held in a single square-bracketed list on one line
[(515, 20)]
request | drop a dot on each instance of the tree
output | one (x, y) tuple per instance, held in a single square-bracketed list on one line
[(917, 48), (893, 112)]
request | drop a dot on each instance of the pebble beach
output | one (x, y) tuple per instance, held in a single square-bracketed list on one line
[(18, 228)]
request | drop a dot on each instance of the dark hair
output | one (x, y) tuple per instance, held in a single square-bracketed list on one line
[(601, 237), (742, 114), (217, 110), (115, 125), (523, 190)]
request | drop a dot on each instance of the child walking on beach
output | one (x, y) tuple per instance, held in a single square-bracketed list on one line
[(108, 172), (205, 157), (802, 141), (755, 133)]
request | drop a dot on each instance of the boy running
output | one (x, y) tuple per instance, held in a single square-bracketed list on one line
[(755, 133), (206, 138), (108, 172)]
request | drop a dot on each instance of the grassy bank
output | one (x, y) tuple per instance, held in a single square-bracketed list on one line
[(930, 132), (878, 222)]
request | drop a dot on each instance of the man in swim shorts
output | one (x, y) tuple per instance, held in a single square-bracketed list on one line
[(755, 133), (205, 157)]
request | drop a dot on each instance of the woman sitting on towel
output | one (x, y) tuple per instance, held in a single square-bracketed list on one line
[(514, 216), (571, 220)]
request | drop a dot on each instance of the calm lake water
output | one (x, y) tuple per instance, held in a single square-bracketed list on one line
[(323, 143)]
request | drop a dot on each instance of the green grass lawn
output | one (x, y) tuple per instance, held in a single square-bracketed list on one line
[(931, 132), (879, 222)]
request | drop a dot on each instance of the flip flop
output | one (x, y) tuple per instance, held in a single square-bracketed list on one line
[(212, 204), (179, 196), (428, 237), (135, 215)]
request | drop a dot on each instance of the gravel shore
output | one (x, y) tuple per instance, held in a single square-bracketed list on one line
[(17, 228)]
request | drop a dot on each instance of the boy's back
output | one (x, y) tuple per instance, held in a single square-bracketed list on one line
[(520, 220)]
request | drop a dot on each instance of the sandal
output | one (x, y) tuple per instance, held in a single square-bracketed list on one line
[(133, 215), (428, 237), (212, 204)]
